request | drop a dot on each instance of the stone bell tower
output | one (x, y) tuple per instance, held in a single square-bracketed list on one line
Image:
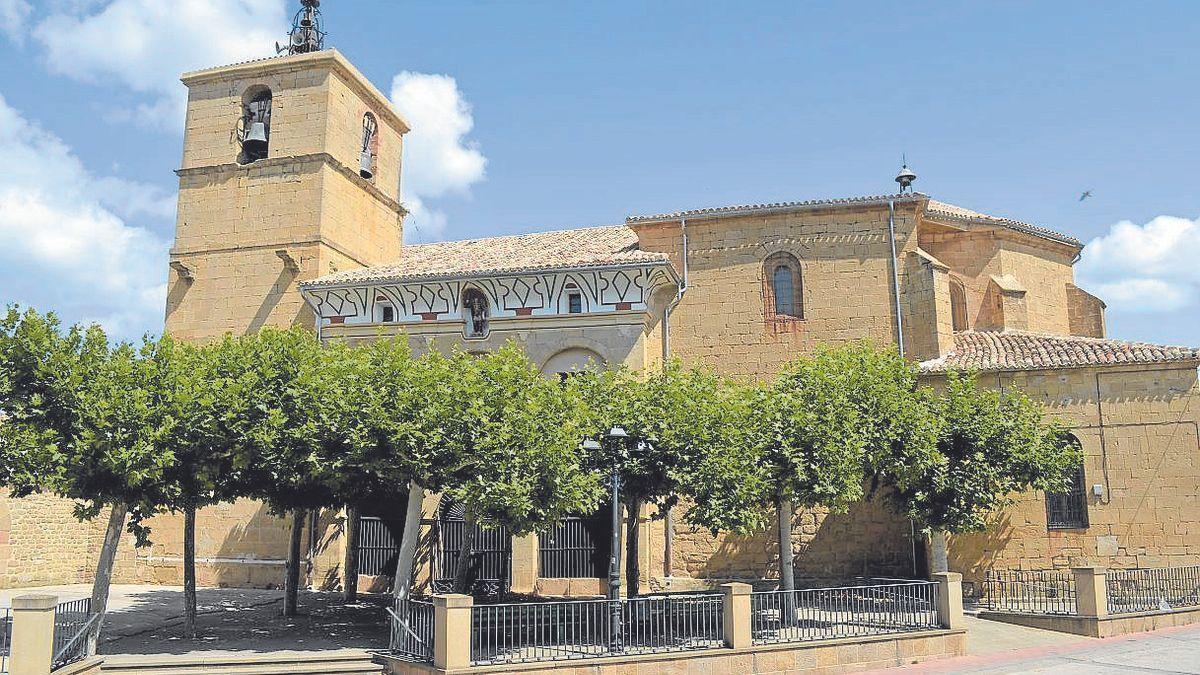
[(291, 170)]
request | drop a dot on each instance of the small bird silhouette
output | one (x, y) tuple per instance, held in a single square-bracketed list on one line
[(1085, 195)]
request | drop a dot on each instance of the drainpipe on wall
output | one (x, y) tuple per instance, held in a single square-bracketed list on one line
[(669, 520), (912, 526)]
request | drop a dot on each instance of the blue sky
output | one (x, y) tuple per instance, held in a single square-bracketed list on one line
[(559, 114)]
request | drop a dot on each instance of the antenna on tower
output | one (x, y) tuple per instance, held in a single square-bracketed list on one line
[(906, 176), (306, 34)]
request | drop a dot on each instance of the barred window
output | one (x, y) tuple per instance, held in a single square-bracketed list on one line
[(1067, 510)]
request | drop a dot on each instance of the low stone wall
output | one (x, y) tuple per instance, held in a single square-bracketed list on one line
[(844, 655), (1097, 627)]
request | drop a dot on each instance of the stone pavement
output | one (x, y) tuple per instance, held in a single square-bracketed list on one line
[(1170, 650), (149, 620)]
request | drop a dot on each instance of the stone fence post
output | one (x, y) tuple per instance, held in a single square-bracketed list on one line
[(949, 600), (32, 647), (452, 631), (1091, 591), (737, 614)]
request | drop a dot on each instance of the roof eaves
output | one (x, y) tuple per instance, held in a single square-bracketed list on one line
[(777, 207), (313, 284)]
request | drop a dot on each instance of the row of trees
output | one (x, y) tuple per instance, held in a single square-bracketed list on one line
[(173, 427)]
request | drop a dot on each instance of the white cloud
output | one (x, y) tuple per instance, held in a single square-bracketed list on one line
[(144, 45), (65, 242), (439, 159), (14, 14), (1145, 268)]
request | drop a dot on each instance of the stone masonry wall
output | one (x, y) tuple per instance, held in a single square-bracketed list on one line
[(1138, 428)]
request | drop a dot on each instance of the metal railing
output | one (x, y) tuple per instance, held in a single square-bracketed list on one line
[(846, 611), (1029, 591), (559, 631), (72, 622), (5, 637), (412, 631), (1149, 590)]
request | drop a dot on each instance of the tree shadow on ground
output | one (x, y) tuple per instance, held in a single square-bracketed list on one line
[(244, 620)]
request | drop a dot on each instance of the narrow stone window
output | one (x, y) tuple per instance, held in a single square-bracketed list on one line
[(370, 147), (475, 313), (575, 303), (958, 305), (783, 289), (255, 131), (1067, 510)]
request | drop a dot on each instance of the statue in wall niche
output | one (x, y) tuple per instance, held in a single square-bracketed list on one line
[(477, 312)]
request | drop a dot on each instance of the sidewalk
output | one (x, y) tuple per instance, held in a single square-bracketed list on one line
[(1170, 650)]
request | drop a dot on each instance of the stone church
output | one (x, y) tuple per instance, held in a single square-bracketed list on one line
[(291, 213)]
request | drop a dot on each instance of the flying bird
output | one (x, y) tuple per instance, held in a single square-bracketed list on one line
[(1085, 195)]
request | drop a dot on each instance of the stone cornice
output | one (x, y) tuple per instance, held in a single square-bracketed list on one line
[(325, 157)]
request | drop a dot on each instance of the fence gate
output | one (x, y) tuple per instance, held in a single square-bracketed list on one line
[(491, 564), (576, 548), (378, 545)]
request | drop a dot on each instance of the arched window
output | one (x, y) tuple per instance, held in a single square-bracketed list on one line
[(370, 147), (1067, 510), (958, 305), (784, 287), (255, 132), (475, 313)]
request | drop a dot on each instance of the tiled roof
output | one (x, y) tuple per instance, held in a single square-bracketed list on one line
[(592, 247), (1020, 350), (945, 210), (933, 207), (775, 206)]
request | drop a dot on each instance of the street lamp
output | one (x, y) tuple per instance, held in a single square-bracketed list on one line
[(617, 437)]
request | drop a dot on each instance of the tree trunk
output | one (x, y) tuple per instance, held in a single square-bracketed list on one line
[(351, 566), (104, 570), (941, 554), (189, 572), (291, 580), (406, 557), (633, 569), (668, 542), (466, 555), (787, 571)]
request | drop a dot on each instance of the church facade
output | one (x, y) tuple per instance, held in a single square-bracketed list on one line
[(304, 227)]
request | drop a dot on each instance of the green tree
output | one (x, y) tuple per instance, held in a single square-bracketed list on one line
[(278, 459), (213, 402), (83, 419), (676, 418), (519, 465), (991, 446)]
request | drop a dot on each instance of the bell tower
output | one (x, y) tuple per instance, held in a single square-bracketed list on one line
[(291, 170)]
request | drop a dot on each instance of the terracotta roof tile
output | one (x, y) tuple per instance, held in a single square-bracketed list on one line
[(1019, 350), (943, 209), (740, 209), (592, 247)]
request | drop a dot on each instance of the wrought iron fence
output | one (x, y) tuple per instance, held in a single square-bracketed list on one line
[(5, 637), (72, 621), (1029, 591), (846, 611), (1148, 590), (378, 545), (575, 548), (558, 631), (489, 570), (412, 631)]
